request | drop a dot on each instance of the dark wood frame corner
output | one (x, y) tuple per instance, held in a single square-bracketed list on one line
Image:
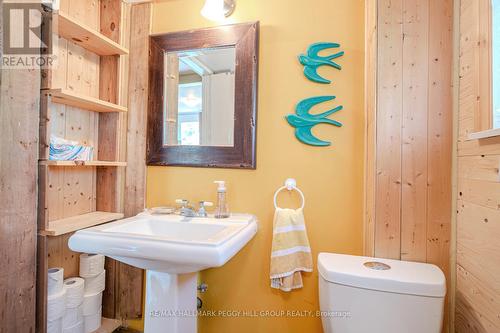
[(245, 38)]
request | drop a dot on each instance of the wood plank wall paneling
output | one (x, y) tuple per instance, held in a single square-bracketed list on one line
[(19, 105), (478, 208), (440, 136), (388, 129), (410, 146), (414, 130), (131, 278), (135, 183)]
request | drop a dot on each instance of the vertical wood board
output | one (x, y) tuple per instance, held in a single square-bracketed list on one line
[(414, 137), (389, 122), (131, 279), (19, 105)]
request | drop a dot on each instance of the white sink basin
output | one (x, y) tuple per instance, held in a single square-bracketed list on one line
[(168, 243), (172, 249)]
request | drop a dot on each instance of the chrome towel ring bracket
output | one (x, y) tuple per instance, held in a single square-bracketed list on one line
[(290, 185)]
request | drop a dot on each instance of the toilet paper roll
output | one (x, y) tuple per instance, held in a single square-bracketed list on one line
[(56, 305), (91, 264), (92, 303), (54, 326), (76, 328), (55, 280), (74, 291), (95, 284), (92, 322), (73, 316)]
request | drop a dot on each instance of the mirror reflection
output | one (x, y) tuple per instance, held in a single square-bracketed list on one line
[(199, 97)]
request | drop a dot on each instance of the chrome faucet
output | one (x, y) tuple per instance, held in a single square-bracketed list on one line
[(187, 210)]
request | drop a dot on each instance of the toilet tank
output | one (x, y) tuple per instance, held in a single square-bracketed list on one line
[(364, 294)]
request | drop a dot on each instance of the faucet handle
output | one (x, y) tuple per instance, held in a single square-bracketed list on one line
[(202, 211)]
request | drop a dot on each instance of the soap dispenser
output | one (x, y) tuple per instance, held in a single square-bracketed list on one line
[(221, 210)]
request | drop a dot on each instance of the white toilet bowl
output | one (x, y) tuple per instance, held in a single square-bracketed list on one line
[(363, 294)]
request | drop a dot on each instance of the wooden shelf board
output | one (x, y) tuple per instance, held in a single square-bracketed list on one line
[(83, 163), (87, 37), (108, 325), (70, 224), (484, 134), (68, 97)]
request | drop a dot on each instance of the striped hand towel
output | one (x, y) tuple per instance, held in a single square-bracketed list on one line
[(291, 253)]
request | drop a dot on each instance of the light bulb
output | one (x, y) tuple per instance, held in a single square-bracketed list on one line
[(218, 10)]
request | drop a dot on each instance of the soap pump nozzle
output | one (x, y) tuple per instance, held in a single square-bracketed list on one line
[(222, 185), (221, 210)]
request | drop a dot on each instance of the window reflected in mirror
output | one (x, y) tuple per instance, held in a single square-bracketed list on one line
[(495, 66), (199, 97)]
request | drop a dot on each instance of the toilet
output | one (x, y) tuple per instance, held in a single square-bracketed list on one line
[(363, 294)]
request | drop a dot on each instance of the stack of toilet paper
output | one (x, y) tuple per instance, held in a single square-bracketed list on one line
[(56, 300), (73, 318), (92, 271)]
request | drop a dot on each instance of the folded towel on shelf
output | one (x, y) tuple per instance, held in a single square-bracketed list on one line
[(291, 253), (66, 150)]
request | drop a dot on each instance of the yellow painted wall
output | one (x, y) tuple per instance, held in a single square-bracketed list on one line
[(331, 178)]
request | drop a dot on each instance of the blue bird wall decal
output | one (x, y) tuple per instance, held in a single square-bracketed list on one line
[(304, 121), (312, 61)]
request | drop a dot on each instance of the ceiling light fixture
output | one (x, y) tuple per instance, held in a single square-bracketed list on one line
[(218, 10)]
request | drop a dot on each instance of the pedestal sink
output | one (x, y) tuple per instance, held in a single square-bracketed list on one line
[(172, 249)]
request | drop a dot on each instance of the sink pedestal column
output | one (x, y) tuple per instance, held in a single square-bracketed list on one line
[(170, 303)]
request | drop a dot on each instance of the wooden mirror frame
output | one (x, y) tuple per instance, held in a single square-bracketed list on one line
[(245, 38)]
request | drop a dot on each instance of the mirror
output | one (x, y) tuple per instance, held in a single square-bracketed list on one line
[(202, 108), (199, 97), (495, 66)]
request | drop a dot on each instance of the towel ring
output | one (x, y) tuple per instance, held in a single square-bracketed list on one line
[(290, 185)]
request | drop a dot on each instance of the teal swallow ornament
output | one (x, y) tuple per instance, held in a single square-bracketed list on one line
[(312, 61), (304, 121)]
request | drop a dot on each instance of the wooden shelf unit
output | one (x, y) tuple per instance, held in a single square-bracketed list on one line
[(87, 37), (83, 98), (86, 108), (82, 163), (68, 97), (70, 224)]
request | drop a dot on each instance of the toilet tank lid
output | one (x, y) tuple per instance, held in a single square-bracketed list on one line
[(371, 273)]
